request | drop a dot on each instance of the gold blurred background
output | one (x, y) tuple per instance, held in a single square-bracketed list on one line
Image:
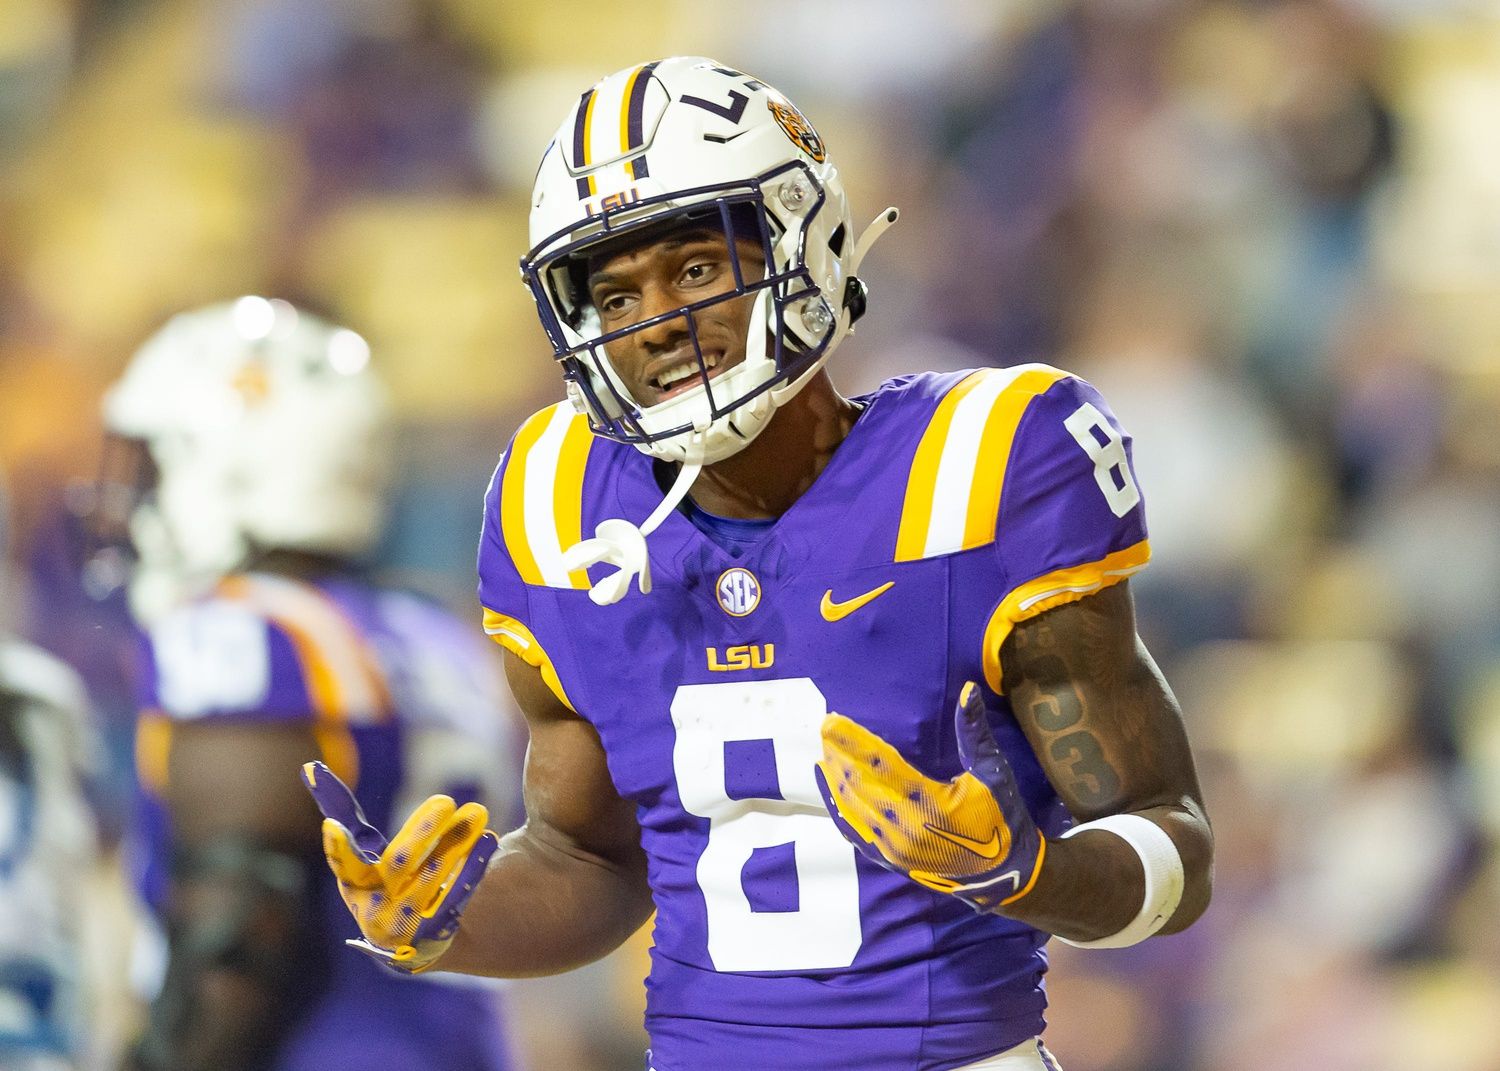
[(1269, 231)]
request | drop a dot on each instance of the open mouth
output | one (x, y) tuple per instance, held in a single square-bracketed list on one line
[(683, 376)]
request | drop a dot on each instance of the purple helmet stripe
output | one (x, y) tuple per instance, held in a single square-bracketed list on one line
[(634, 124), (580, 141), (634, 121)]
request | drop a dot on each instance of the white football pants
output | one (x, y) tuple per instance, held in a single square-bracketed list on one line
[(1028, 1056)]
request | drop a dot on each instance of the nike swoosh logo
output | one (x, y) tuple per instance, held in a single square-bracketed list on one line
[(724, 139), (837, 611), (987, 849)]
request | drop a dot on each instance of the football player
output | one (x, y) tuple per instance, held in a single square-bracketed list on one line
[(247, 464), (860, 708)]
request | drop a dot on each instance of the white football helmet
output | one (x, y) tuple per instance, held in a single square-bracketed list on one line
[(688, 138), (266, 428)]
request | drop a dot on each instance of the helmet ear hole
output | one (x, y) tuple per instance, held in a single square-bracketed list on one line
[(856, 297), (836, 242)]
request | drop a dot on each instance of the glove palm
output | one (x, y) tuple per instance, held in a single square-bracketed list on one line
[(971, 836), (406, 894)]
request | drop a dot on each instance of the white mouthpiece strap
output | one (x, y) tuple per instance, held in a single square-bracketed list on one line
[(1164, 877), (618, 542), (685, 477), (878, 226)]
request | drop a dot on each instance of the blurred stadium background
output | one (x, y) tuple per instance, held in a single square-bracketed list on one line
[(1269, 231)]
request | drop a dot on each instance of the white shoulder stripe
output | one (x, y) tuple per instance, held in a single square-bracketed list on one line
[(956, 471), (541, 497)]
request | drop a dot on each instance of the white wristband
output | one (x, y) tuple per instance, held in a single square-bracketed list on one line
[(1164, 878)]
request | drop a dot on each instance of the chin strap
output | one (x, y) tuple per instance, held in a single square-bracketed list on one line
[(618, 542)]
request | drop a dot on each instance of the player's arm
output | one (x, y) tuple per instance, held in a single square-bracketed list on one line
[(569, 886), (244, 848), (566, 888), (1109, 735)]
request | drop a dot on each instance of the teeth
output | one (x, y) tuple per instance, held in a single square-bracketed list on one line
[(687, 370), (673, 376)]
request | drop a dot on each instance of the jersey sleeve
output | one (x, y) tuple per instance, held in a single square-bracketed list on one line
[(265, 649), (503, 596), (1071, 518), (222, 658), (533, 512), (502, 592)]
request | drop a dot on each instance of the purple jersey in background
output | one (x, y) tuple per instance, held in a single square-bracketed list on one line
[(405, 702), (958, 505)]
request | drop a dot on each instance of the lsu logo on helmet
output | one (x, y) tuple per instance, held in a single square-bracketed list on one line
[(796, 127)]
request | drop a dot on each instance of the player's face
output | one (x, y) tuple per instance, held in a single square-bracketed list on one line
[(681, 268)]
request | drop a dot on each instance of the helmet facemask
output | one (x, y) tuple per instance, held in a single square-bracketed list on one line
[(670, 139), (669, 144), (790, 326)]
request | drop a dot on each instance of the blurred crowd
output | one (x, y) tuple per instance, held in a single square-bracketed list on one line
[(1267, 230)]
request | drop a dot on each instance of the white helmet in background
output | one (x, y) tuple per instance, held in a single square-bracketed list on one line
[(267, 429), (690, 139)]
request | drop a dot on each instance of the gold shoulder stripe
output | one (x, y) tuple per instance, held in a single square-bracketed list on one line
[(995, 442), (916, 511), (567, 493), (1055, 589), (517, 639), (344, 679), (953, 490), (541, 496)]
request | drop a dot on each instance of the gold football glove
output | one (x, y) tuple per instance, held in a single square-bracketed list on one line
[(405, 894), (972, 836)]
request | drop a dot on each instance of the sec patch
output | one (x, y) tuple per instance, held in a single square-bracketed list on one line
[(738, 591)]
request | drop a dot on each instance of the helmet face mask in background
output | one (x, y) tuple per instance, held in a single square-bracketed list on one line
[(265, 428), (688, 141)]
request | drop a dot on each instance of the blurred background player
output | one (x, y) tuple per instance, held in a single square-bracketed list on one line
[(50, 858), (248, 463)]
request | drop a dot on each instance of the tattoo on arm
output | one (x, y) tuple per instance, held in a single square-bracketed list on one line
[(1097, 713), (1056, 707), (1094, 780)]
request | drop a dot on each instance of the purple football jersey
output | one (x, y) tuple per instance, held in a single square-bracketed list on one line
[(959, 505), (405, 701)]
